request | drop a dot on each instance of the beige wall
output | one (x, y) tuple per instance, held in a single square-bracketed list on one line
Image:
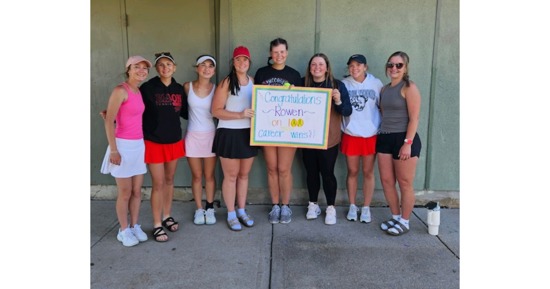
[(427, 31)]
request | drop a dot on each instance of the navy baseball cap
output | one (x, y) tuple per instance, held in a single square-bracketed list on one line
[(357, 57)]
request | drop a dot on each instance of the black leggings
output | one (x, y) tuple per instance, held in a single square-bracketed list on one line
[(320, 164)]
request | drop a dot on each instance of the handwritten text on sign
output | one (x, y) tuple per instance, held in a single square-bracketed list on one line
[(296, 117)]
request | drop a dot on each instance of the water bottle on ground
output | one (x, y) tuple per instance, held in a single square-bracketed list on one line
[(433, 218)]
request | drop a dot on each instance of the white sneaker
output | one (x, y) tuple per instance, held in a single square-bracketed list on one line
[(210, 216), (127, 238), (330, 218), (199, 217), (313, 211), (365, 215), (352, 213), (138, 232)]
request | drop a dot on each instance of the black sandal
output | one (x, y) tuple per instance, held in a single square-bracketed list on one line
[(170, 227), (399, 228), (157, 232), (389, 224)]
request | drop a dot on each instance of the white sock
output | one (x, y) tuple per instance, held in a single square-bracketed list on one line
[(241, 212), (395, 217), (404, 222)]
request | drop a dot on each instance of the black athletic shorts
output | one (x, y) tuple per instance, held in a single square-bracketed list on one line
[(390, 143)]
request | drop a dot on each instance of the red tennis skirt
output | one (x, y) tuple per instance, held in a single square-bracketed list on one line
[(358, 146), (163, 153)]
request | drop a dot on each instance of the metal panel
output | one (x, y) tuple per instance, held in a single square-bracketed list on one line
[(120, 28)]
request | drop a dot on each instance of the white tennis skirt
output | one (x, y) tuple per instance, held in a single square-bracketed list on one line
[(132, 152)]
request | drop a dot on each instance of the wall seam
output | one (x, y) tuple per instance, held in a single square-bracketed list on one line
[(124, 28), (317, 26), (427, 175), (217, 24)]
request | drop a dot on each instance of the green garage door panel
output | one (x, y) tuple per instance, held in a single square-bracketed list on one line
[(184, 28), (107, 59)]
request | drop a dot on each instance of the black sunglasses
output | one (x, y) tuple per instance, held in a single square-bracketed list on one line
[(398, 65), (163, 54)]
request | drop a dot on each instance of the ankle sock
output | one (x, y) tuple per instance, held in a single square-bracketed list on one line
[(231, 215), (241, 212), (395, 217), (209, 205), (402, 225)]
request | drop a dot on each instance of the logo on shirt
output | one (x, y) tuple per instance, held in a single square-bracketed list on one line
[(359, 98), (174, 99)]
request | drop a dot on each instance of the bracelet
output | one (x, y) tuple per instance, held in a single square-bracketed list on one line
[(338, 103), (114, 152)]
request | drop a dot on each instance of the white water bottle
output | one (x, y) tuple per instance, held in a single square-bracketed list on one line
[(433, 220)]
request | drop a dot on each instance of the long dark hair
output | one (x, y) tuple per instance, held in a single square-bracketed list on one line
[(406, 67), (328, 75), (276, 42), (234, 86)]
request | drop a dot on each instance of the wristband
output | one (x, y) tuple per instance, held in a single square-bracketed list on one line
[(408, 141), (114, 152)]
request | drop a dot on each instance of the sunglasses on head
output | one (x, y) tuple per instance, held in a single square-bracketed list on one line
[(397, 65), (163, 54)]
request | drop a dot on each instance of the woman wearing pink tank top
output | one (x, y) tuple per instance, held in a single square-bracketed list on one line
[(124, 158)]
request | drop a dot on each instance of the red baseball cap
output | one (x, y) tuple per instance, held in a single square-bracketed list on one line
[(241, 51)]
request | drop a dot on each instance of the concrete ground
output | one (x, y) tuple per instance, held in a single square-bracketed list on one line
[(301, 254)]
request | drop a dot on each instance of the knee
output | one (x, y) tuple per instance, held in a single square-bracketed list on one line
[(169, 180), (272, 170), (209, 178), (387, 181), (158, 183), (196, 179), (124, 194), (243, 177), (405, 184), (136, 193), (352, 173), (283, 172), (230, 178), (369, 175)]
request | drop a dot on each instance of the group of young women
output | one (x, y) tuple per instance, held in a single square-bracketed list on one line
[(153, 111), (368, 119)]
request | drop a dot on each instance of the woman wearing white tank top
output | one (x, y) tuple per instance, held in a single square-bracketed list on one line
[(200, 136)]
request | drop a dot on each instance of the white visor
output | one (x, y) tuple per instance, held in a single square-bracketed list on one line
[(204, 58)]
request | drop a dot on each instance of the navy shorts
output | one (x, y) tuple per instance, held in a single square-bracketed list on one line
[(391, 143)]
